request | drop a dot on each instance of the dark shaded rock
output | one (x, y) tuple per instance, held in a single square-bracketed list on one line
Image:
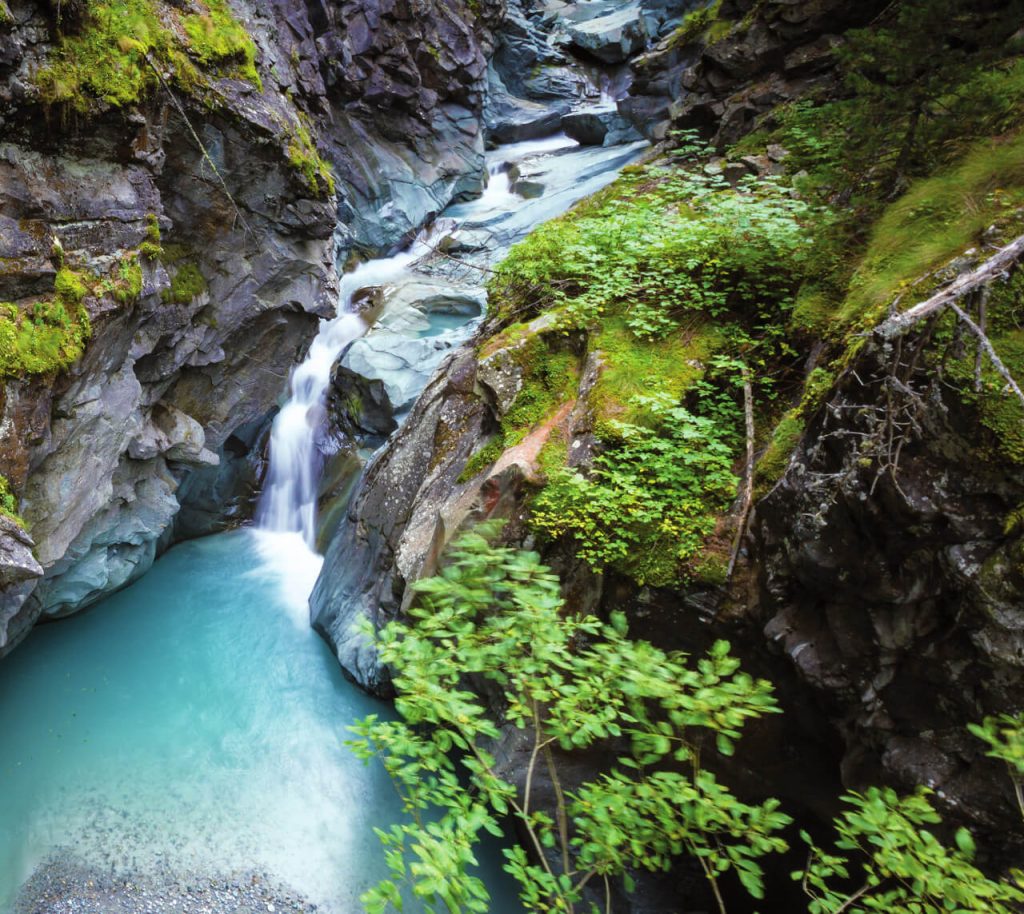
[(599, 127), (511, 119), (360, 405), (897, 598), (588, 128), (781, 50)]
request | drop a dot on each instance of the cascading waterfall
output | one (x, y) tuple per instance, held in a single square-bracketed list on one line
[(209, 741), (288, 503)]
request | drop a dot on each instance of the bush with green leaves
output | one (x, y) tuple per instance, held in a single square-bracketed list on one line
[(495, 617), (887, 860), (668, 243), (1004, 734), (650, 500)]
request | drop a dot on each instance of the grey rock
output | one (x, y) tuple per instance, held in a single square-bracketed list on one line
[(902, 609), (19, 573), (613, 37), (599, 126), (156, 432), (360, 405)]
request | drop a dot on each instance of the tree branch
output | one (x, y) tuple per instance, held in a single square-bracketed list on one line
[(996, 265), (983, 342), (748, 475)]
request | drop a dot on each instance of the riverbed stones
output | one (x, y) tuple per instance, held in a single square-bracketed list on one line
[(65, 886)]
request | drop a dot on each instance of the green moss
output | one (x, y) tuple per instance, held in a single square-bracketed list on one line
[(217, 39), (790, 429), (776, 457), (483, 458), (45, 336), (128, 285), (634, 367), (814, 310), (187, 284), (702, 25), (307, 161), (678, 284), (69, 286), (938, 218), (153, 228), (711, 568), (115, 56), (9, 503), (550, 375)]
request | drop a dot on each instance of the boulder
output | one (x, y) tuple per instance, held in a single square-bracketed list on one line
[(359, 405), (611, 38), (600, 126)]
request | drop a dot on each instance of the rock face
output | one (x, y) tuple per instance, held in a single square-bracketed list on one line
[(405, 86), (413, 498), (780, 52), (896, 596), (156, 432), (19, 573), (887, 609)]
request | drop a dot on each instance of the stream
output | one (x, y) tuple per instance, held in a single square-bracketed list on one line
[(189, 731)]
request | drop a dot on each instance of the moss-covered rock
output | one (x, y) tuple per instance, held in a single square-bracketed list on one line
[(121, 52)]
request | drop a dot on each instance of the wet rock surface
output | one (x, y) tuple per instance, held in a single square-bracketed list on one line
[(721, 88), (412, 500)]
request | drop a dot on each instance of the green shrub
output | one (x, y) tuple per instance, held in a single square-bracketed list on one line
[(680, 244), (568, 681), (650, 499), (886, 860)]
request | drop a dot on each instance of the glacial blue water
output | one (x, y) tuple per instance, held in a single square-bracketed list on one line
[(192, 721)]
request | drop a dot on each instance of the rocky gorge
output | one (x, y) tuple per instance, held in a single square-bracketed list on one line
[(178, 236)]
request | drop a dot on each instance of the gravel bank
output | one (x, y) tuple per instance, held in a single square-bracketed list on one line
[(63, 886)]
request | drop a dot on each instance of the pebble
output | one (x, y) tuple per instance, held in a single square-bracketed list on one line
[(65, 886)]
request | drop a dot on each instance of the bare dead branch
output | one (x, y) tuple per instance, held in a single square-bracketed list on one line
[(747, 496), (995, 266)]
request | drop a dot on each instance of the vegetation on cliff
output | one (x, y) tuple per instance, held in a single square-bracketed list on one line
[(684, 285), (681, 285), (567, 683), (46, 335), (702, 319), (122, 51)]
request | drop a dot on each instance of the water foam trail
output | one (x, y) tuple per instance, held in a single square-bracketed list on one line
[(288, 503)]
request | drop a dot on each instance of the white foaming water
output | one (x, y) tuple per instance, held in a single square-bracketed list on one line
[(288, 503)]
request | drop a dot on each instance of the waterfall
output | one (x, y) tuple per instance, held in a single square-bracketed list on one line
[(288, 502), (289, 499)]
